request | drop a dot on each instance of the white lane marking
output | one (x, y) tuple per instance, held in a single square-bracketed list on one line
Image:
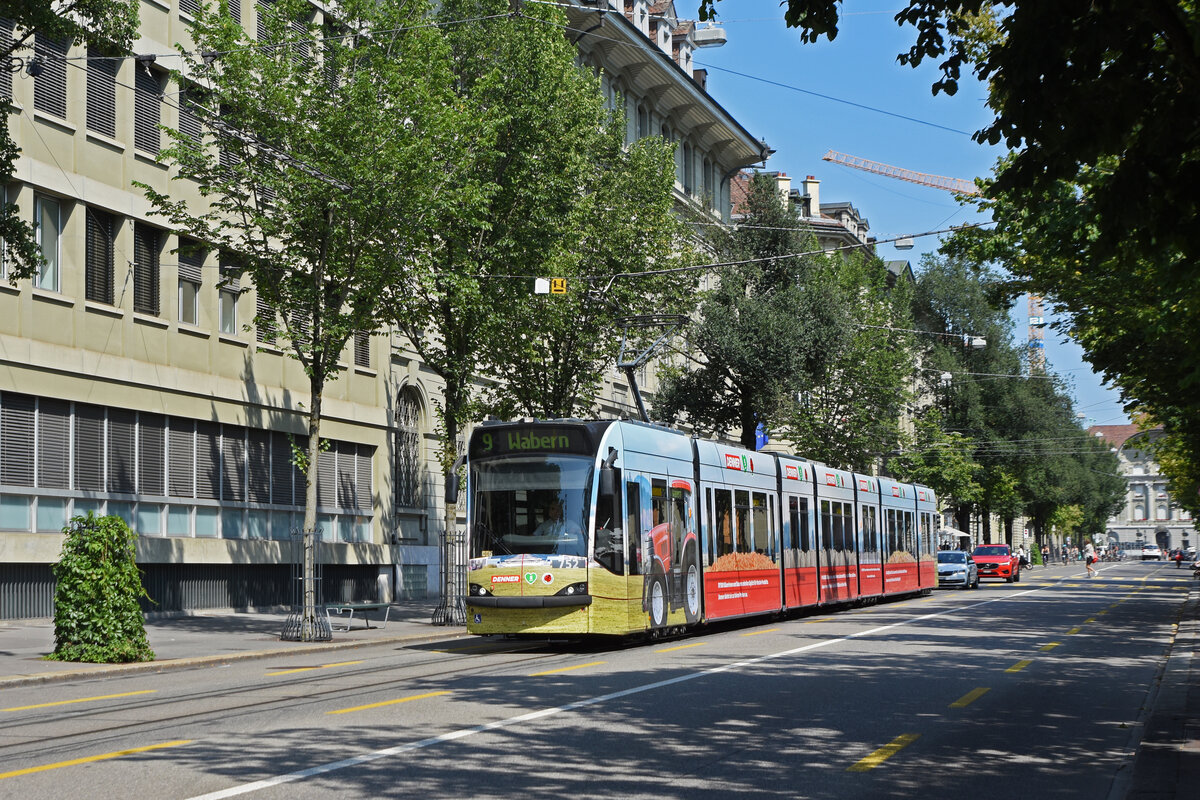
[(463, 733)]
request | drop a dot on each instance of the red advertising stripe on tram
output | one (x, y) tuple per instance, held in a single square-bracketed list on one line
[(737, 592)]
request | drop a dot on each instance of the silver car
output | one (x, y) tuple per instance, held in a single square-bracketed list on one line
[(956, 568)]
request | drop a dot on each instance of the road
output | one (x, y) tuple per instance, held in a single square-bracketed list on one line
[(1029, 690)]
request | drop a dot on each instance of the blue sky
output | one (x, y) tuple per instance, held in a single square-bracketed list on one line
[(852, 96)]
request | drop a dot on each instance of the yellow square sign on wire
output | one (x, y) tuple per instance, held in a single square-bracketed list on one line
[(558, 286)]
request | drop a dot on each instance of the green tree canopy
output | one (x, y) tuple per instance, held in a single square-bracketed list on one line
[(765, 331)]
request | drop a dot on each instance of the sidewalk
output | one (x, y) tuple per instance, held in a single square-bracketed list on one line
[(204, 638)]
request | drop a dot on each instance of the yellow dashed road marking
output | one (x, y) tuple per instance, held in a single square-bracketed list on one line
[(969, 697), (681, 647), (310, 669), (759, 633), (80, 700), (884, 753), (568, 669), (388, 702), (90, 759), (1050, 646), (1020, 665)]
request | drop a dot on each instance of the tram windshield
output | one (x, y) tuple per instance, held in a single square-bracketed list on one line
[(534, 505)]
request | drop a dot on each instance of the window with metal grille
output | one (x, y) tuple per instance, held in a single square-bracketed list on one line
[(234, 9), (191, 264), (407, 471), (258, 462), (147, 109), (16, 434), (146, 246), (363, 483), (362, 349), (347, 474), (6, 41), (50, 86), (99, 256), (189, 7), (327, 477), (53, 443), (101, 93)]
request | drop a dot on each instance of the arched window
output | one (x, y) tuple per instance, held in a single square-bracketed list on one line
[(407, 471)]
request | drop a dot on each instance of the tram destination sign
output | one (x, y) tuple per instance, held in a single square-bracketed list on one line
[(512, 440)]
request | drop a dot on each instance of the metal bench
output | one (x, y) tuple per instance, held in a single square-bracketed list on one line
[(345, 613)]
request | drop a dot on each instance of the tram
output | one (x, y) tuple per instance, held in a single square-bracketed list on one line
[(618, 527)]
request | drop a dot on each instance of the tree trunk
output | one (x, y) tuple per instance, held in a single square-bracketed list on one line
[(308, 623)]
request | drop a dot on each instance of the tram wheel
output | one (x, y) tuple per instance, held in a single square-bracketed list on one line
[(658, 600), (691, 588)]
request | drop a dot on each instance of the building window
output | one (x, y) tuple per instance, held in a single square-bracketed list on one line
[(99, 256), (228, 311), (6, 41), (47, 220), (362, 349), (147, 109), (191, 102), (146, 245), (689, 169), (50, 85), (101, 93), (191, 262)]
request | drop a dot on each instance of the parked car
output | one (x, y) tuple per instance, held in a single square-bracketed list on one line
[(956, 568), (1150, 551), (997, 561)]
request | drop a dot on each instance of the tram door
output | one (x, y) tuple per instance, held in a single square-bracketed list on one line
[(635, 541), (800, 553)]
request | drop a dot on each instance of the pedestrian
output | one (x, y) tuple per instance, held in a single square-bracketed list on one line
[(1178, 559), (1045, 556), (1089, 556)]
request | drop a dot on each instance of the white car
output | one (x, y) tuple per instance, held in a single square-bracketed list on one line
[(1150, 551)]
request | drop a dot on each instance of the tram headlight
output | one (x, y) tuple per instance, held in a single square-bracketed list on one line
[(478, 590), (574, 589)]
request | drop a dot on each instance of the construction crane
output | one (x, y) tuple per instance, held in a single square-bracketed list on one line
[(955, 185), (1037, 319)]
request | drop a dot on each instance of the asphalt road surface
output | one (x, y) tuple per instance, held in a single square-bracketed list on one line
[(1029, 690)]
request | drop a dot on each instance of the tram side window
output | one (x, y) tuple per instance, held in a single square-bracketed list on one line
[(762, 526), (610, 547), (633, 528), (910, 539), (849, 542), (798, 513), (742, 532), (869, 530), (723, 521), (826, 525), (891, 532)]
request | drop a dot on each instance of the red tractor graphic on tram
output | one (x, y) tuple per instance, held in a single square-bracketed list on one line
[(672, 565)]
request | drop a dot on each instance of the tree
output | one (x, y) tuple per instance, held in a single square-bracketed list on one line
[(325, 153), (941, 460), (852, 416), (764, 330), (109, 26), (615, 251)]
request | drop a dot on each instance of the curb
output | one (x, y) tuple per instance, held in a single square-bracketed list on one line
[(196, 662)]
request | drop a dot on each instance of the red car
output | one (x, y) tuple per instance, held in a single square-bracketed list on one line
[(997, 561)]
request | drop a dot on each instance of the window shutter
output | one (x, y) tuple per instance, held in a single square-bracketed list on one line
[(191, 260), (50, 88), (151, 454), (364, 459), (99, 256), (208, 460), (283, 471), (189, 115), (362, 349), (89, 447), (147, 109), (182, 458), (234, 7), (231, 272), (6, 40), (258, 463), (53, 443), (101, 93), (145, 269), (347, 472), (233, 463), (190, 7), (16, 439), (327, 477), (122, 451), (264, 330)]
